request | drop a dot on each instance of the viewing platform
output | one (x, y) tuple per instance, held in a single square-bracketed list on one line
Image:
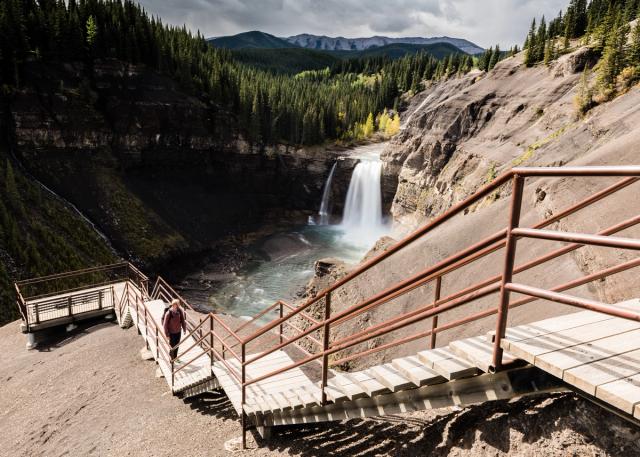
[(66, 298)]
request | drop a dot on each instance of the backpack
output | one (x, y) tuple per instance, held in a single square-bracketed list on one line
[(166, 310)]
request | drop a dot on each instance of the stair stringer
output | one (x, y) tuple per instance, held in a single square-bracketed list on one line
[(504, 385)]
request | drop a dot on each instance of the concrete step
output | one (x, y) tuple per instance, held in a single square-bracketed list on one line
[(416, 371), (444, 362)]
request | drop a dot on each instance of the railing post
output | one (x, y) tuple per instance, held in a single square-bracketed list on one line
[(211, 340), (35, 307), (100, 292), (434, 322), (146, 328), (244, 398), (325, 346), (70, 305), (281, 325), (507, 275)]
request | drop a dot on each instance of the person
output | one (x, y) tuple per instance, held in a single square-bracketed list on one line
[(174, 323)]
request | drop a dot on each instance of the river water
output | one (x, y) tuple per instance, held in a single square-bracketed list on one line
[(284, 261)]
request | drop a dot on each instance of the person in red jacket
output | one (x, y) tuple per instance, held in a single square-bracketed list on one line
[(174, 323)]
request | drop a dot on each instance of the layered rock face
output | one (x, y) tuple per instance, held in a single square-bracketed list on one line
[(458, 136), (162, 172), (462, 133)]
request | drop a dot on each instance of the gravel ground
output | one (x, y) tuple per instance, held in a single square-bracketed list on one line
[(89, 393)]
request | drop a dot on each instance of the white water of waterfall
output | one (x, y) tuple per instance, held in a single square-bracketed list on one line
[(362, 220), (326, 198), (281, 263)]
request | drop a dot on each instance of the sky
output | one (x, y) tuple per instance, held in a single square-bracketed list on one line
[(484, 22)]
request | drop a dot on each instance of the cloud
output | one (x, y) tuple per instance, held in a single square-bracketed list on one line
[(485, 22)]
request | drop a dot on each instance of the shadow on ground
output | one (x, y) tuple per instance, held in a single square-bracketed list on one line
[(486, 429), (57, 337), (214, 404)]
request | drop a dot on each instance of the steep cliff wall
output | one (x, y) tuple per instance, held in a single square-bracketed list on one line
[(162, 172), (458, 136)]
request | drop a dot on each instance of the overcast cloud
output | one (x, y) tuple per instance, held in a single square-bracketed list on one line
[(485, 22)]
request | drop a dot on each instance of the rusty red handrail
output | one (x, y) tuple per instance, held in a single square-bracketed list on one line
[(502, 284), (504, 239)]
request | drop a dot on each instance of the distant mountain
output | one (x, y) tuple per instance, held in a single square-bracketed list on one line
[(398, 50), (326, 43), (248, 40)]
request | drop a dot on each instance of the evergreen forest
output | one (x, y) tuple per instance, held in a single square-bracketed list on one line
[(305, 108)]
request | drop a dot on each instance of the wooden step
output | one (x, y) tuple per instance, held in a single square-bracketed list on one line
[(590, 376), (293, 399), (282, 401), (306, 399), (530, 349), (413, 369), (348, 386), (624, 394), (315, 393), (478, 352), (271, 402), (335, 394), (447, 364), (388, 376), (370, 385)]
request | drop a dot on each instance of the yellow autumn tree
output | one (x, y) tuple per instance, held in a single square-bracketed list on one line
[(383, 120), (393, 126), (369, 126)]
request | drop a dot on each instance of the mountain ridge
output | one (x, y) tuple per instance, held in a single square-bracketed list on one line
[(261, 40), (340, 43), (251, 40)]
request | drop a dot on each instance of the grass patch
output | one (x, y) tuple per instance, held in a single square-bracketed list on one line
[(532, 148)]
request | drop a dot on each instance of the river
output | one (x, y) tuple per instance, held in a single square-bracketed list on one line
[(283, 262)]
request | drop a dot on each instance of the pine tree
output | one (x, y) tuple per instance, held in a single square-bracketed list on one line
[(530, 54), (91, 31), (584, 99), (541, 41), (613, 55), (10, 187), (495, 57), (633, 57)]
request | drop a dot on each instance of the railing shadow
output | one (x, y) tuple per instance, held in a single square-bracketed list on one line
[(214, 404), (491, 426)]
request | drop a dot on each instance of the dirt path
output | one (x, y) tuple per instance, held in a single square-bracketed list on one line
[(89, 393)]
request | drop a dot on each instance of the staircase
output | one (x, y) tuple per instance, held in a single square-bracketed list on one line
[(271, 376), (552, 355)]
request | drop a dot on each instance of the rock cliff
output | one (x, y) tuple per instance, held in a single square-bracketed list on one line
[(161, 171), (459, 135)]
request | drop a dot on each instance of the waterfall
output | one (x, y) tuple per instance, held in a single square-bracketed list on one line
[(362, 219), (326, 198)]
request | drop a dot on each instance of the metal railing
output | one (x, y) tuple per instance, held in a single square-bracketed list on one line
[(73, 293), (502, 284), (220, 342)]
